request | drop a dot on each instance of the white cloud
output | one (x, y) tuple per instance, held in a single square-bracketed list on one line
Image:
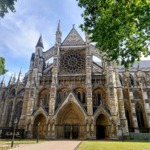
[(20, 31)]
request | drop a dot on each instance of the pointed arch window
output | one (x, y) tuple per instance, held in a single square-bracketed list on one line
[(128, 117), (18, 110), (79, 96), (84, 98), (120, 78), (148, 94), (131, 80), (45, 101), (136, 95), (99, 99), (9, 113), (61, 96), (139, 114), (58, 98)]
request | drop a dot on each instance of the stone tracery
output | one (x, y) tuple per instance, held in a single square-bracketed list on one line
[(72, 62)]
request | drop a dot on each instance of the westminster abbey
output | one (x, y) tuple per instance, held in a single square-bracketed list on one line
[(66, 94)]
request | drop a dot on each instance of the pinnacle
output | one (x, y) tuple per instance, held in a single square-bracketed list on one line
[(40, 42)]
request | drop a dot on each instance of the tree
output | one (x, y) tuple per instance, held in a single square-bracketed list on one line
[(5, 6), (2, 66), (120, 28)]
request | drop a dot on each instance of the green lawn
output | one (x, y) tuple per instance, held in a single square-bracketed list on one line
[(8, 142), (106, 145), (22, 141)]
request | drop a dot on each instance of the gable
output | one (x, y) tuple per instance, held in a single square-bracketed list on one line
[(73, 39)]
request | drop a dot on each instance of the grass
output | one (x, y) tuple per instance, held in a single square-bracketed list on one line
[(8, 142), (30, 141), (106, 145)]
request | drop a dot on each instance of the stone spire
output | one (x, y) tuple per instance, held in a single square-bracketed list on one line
[(19, 77), (58, 34), (14, 79), (11, 80), (3, 82), (40, 42)]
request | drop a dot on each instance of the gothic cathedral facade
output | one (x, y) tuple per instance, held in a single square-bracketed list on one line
[(75, 97)]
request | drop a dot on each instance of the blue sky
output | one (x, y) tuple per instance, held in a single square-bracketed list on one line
[(20, 31)]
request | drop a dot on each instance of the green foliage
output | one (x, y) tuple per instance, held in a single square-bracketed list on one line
[(2, 66), (5, 6), (120, 28)]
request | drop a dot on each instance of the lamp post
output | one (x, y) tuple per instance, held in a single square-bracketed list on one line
[(38, 132), (13, 136)]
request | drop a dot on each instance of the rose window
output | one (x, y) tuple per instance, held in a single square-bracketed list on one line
[(72, 62)]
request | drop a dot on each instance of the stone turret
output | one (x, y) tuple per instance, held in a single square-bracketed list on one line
[(37, 57), (40, 42), (39, 47)]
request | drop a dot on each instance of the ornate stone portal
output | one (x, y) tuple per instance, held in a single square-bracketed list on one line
[(76, 97), (39, 124), (70, 122)]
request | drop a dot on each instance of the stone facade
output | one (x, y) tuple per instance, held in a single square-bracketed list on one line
[(75, 97)]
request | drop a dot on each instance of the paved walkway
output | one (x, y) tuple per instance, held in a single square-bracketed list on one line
[(50, 145)]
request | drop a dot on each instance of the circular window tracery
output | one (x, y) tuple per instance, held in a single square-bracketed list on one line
[(72, 62)]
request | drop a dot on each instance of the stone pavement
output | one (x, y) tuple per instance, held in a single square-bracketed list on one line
[(50, 145)]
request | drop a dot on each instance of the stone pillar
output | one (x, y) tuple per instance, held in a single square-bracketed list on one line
[(135, 123), (11, 122), (53, 90), (146, 107), (53, 130), (30, 131), (88, 80), (112, 88), (4, 113), (123, 120), (87, 129), (111, 84), (92, 129), (48, 130), (27, 108), (1, 111), (52, 100)]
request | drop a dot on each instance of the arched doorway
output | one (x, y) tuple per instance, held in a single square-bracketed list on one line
[(70, 122), (102, 127), (40, 119)]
